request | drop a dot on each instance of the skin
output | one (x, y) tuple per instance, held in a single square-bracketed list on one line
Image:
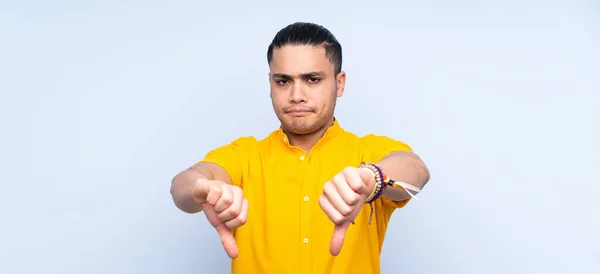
[(304, 90)]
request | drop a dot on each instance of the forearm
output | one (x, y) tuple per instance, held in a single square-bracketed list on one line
[(404, 167), (182, 189)]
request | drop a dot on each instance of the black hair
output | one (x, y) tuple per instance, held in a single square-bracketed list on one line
[(303, 33)]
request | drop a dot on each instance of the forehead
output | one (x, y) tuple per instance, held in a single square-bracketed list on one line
[(300, 59)]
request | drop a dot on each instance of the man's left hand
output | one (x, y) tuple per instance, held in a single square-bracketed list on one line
[(342, 199)]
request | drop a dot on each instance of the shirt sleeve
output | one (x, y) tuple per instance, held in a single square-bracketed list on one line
[(232, 157), (376, 148)]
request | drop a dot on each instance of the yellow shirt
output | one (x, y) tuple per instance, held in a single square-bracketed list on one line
[(286, 230)]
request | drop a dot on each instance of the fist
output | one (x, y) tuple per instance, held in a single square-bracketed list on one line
[(342, 199), (225, 208)]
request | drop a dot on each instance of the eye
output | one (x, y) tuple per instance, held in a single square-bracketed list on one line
[(281, 82), (313, 80)]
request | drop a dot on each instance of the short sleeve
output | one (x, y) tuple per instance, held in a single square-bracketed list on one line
[(232, 157), (375, 148)]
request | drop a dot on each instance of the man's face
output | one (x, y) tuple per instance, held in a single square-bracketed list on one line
[(304, 88)]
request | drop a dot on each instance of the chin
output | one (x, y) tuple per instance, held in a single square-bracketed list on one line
[(301, 131), (301, 127)]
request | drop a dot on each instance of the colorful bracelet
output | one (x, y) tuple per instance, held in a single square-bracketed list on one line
[(382, 181), (380, 186), (382, 178)]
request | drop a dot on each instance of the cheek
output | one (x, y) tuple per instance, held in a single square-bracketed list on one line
[(278, 101), (329, 100)]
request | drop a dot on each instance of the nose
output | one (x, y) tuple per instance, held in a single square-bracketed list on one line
[(298, 94)]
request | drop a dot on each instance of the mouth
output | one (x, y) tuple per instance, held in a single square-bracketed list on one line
[(298, 112)]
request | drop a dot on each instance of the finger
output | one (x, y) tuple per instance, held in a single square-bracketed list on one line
[(211, 215), (332, 194), (206, 191), (214, 193), (355, 211), (354, 180), (330, 210), (342, 185), (228, 241), (225, 200), (241, 219), (337, 240), (236, 207)]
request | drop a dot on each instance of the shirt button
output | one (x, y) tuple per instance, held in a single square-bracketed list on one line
[(301, 158), (284, 140), (306, 198), (305, 240)]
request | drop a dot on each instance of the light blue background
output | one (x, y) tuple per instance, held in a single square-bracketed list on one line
[(103, 102)]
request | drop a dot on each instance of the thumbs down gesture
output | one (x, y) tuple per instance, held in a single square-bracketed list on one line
[(342, 199)]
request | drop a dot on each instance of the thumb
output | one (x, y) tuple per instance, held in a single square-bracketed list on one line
[(337, 240), (227, 239)]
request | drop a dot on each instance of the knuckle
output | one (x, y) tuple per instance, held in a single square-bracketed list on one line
[(227, 201), (234, 211), (327, 187), (321, 201), (338, 177), (354, 185), (236, 189), (216, 189), (230, 215), (337, 219), (346, 211)]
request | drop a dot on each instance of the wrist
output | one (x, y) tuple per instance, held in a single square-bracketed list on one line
[(377, 184), (370, 184)]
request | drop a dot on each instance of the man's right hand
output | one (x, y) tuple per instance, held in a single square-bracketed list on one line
[(225, 208)]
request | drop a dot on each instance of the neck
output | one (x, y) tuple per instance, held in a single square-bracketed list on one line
[(307, 141)]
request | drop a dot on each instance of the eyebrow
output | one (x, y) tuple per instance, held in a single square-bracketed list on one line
[(303, 75)]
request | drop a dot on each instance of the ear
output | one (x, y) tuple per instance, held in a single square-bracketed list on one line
[(341, 83), (270, 88)]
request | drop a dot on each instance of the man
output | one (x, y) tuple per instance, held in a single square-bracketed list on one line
[(289, 202)]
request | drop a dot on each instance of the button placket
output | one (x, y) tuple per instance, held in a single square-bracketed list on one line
[(306, 212)]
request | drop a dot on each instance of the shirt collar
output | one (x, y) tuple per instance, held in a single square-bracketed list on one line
[(334, 130)]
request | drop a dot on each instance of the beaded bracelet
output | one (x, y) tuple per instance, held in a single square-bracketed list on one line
[(379, 186), (379, 183), (382, 181)]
